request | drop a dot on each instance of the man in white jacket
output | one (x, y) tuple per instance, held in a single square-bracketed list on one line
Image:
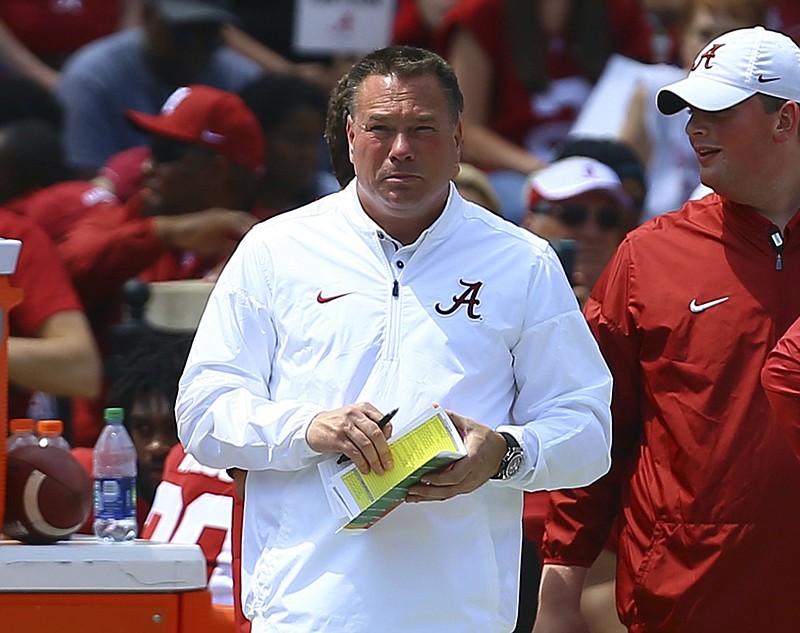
[(395, 292)]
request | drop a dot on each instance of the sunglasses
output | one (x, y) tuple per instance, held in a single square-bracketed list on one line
[(164, 150), (574, 214)]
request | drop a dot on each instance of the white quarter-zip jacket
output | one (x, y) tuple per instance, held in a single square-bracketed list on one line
[(309, 315)]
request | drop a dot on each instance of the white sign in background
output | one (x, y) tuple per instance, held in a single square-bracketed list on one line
[(342, 26)]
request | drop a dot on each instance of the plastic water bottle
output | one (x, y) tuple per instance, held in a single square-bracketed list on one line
[(50, 433), (114, 467), (21, 433)]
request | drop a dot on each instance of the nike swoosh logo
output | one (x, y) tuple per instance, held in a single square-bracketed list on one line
[(766, 80), (321, 299), (697, 308)]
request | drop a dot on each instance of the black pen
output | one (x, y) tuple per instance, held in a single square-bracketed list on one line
[(381, 423)]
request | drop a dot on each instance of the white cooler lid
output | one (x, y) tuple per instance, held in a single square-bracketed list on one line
[(81, 565)]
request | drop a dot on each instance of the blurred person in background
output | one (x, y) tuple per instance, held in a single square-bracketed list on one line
[(291, 111), (598, 604), (179, 43), (661, 142), (50, 345), (526, 69), (207, 153), (144, 384), (264, 33), (581, 200), (37, 36)]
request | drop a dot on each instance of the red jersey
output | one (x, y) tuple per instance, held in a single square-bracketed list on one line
[(58, 207), (53, 29), (408, 27), (194, 504), (781, 380), (702, 477)]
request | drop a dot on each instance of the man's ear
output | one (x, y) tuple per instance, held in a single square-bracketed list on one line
[(458, 138), (788, 125), (350, 132)]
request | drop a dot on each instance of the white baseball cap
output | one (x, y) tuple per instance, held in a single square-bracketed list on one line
[(734, 67), (573, 176)]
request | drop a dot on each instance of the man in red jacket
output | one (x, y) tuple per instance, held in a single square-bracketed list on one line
[(781, 380), (685, 313), (207, 152)]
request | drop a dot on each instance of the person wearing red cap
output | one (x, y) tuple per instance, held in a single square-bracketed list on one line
[(34, 178), (702, 482), (179, 43), (207, 152)]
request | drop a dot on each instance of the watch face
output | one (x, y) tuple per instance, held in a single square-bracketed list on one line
[(513, 465)]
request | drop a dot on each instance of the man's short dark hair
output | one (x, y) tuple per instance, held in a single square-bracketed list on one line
[(405, 61)]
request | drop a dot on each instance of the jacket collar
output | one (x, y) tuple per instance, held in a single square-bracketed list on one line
[(443, 226)]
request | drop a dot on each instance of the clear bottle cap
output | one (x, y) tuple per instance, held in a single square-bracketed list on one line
[(114, 414), (50, 427), (19, 425)]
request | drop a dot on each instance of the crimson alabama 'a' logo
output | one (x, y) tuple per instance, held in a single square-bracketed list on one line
[(707, 57), (468, 298)]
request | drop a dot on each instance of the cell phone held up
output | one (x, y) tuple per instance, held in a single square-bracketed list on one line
[(566, 249)]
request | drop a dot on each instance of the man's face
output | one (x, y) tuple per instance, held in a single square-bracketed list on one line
[(295, 148), (179, 178), (179, 53), (154, 432), (405, 148), (733, 147), (594, 220)]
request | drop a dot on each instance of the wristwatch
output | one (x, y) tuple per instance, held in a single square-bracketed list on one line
[(512, 460)]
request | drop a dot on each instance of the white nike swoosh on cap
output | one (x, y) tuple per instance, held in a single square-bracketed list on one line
[(700, 307)]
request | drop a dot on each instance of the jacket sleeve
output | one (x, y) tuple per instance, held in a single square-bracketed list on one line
[(563, 389), (225, 412), (781, 380), (106, 248), (580, 520)]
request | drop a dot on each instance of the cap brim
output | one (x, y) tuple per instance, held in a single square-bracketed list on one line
[(188, 12), (155, 124), (559, 193), (700, 93)]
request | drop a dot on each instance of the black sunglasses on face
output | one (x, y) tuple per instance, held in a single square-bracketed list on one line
[(164, 150), (574, 214)]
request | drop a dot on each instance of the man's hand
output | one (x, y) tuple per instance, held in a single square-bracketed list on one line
[(211, 232), (353, 431), (485, 451)]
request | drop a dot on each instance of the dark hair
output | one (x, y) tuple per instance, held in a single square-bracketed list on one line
[(155, 366), (31, 157), (335, 134), (273, 97), (769, 103), (404, 61), (23, 98), (588, 37), (617, 155), (401, 61)]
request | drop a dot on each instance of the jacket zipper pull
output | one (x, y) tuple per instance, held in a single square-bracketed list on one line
[(777, 243), (396, 289)]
